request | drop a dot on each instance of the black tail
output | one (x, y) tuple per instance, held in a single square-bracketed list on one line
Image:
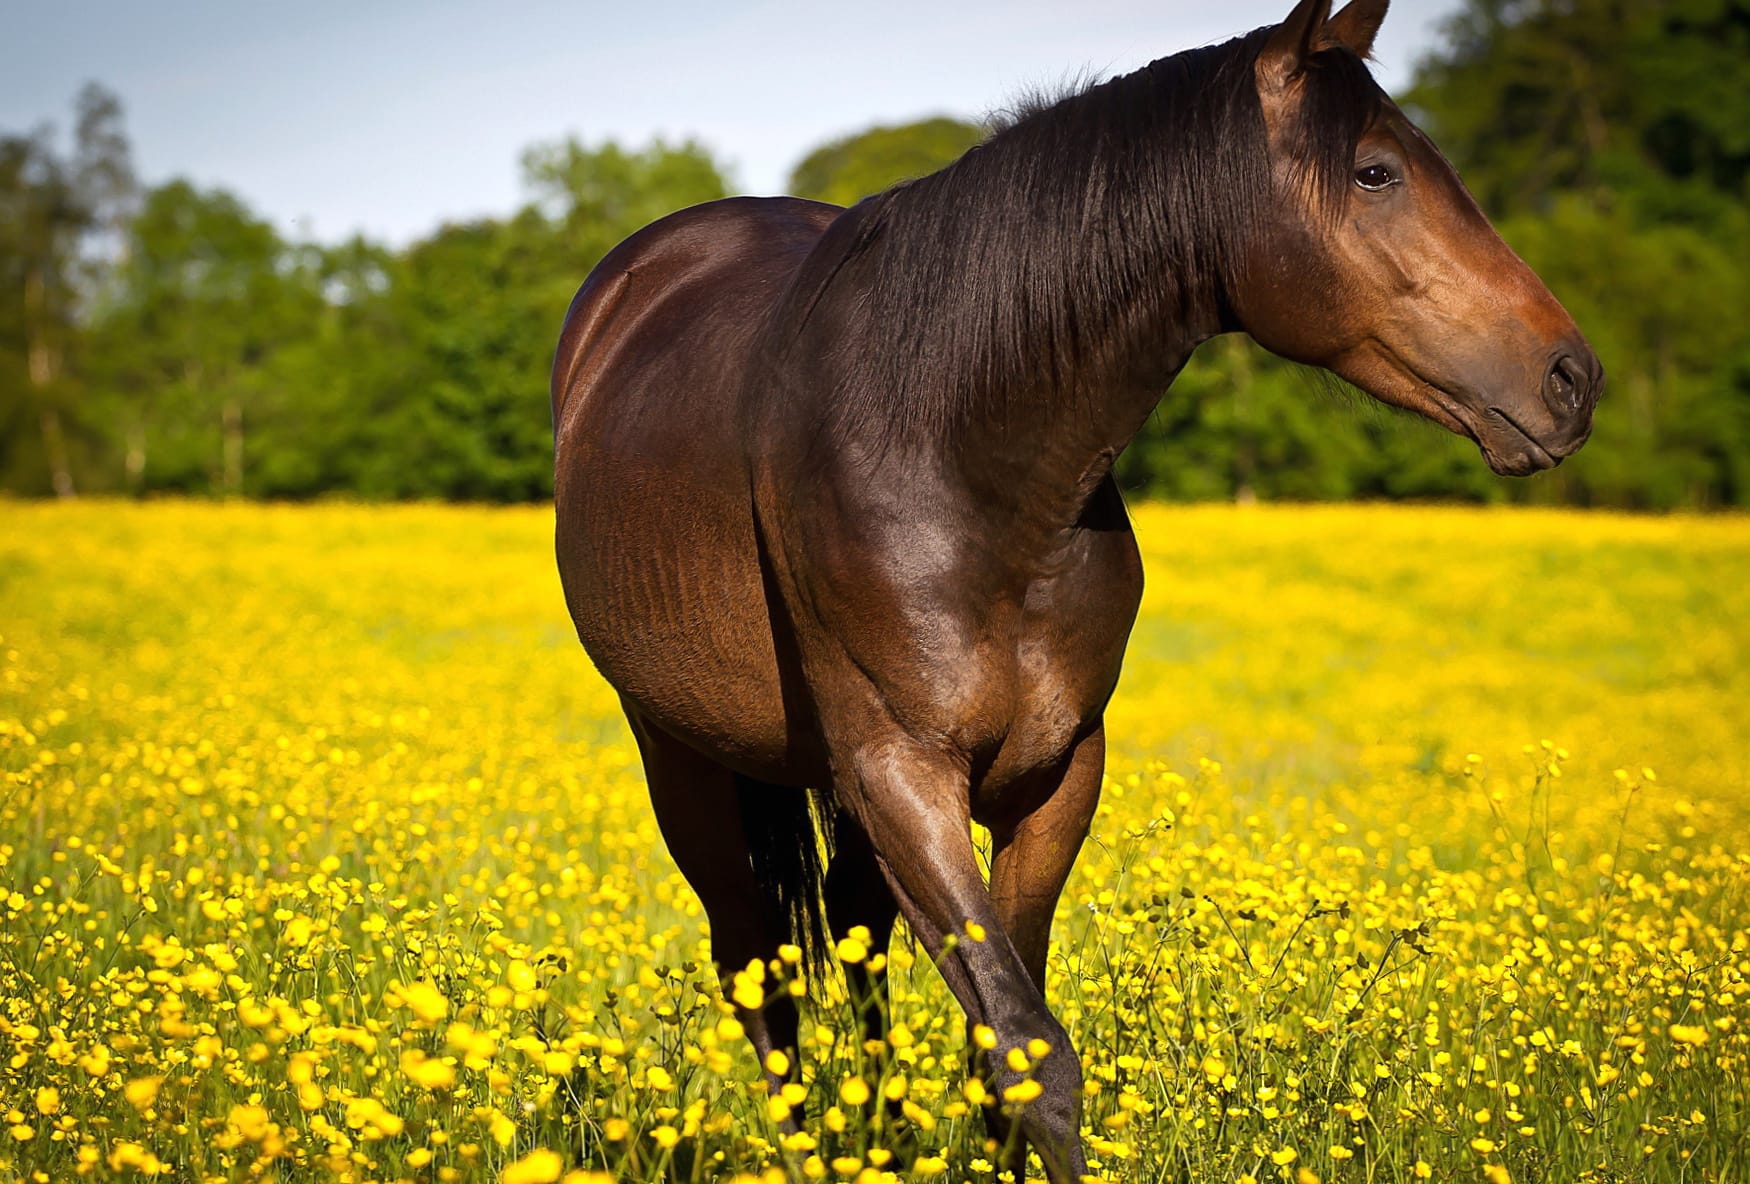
[(789, 836)]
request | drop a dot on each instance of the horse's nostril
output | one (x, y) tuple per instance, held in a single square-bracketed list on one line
[(1567, 384)]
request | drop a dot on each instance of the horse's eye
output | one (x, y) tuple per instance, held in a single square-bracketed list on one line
[(1374, 177)]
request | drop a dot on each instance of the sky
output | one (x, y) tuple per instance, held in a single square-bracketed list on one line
[(389, 117)]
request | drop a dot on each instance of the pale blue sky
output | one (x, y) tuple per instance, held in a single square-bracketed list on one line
[(391, 116)]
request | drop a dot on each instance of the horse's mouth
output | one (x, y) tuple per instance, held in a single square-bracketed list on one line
[(1508, 449), (1511, 451)]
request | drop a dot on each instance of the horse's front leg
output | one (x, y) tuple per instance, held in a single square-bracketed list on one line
[(913, 802), (1031, 857)]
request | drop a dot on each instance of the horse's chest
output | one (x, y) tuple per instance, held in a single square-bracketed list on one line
[(1068, 652)]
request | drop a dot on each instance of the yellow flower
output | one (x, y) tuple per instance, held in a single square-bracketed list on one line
[(48, 1100), (430, 1072), (854, 1091), (537, 1167), (748, 992), (425, 1001), (1691, 1034), (249, 1121), (142, 1091), (520, 976)]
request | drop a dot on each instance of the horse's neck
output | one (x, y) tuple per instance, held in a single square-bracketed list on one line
[(1040, 455), (1021, 312)]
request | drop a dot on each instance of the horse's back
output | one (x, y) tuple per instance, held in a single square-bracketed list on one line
[(655, 534)]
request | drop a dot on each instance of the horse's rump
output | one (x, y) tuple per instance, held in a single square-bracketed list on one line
[(654, 514)]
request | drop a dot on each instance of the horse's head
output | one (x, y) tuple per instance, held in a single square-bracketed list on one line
[(1375, 262)]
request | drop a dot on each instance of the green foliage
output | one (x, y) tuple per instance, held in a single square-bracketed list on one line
[(185, 345), (179, 343), (1643, 99), (849, 169), (216, 357), (55, 210), (1612, 142)]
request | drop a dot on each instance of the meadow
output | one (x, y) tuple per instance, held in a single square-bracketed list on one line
[(324, 855)]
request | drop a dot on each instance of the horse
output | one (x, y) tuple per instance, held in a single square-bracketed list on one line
[(835, 512)]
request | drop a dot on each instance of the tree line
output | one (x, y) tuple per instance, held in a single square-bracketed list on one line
[(170, 340)]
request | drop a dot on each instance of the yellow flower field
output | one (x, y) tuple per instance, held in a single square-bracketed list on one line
[(324, 855)]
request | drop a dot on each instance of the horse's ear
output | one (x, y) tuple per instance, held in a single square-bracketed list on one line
[(1292, 42), (1356, 25)]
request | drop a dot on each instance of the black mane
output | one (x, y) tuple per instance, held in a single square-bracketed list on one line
[(1049, 252)]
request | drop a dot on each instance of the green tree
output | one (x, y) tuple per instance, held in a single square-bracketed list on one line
[(205, 295), (1611, 138), (596, 196), (440, 356), (849, 169), (55, 211), (1640, 99)]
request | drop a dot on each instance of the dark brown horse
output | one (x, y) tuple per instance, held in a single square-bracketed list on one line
[(835, 505)]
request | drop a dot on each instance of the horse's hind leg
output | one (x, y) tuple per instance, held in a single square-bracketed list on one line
[(698, 809), (857, 894)]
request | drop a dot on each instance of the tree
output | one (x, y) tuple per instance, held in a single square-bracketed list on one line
[(1644, 99), (1611, 138), (433, 364), (596, 196), (204, 296), (52, 208), (847, 170)]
